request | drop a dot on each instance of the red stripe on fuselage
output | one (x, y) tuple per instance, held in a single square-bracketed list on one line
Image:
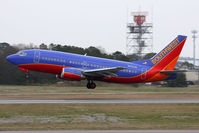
[(47, 68)]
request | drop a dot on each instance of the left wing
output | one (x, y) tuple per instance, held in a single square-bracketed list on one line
[(103, 72)]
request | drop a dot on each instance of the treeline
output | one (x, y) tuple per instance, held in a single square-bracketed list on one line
[(9, 73), (94, 51)]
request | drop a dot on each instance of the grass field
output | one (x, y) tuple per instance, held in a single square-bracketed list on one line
[(6, 89), (122, 92), (103, 116), (97, 116)]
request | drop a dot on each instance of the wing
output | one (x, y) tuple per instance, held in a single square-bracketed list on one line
[(104, 72)]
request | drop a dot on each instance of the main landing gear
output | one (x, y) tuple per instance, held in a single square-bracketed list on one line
[(91, 85)]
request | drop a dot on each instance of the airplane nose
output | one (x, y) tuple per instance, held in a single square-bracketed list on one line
[(8, 58), (11, 58)]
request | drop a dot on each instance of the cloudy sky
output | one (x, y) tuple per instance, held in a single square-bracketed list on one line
[(95, 22)]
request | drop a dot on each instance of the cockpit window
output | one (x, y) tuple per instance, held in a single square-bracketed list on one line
[(21, 53)]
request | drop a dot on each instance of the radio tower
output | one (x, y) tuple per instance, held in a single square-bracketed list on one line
[(194, 32), (139, 38)]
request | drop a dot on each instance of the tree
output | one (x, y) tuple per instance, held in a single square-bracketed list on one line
[(4, 45), (148, 56), (43, 46), (120, 56), (93, 51), (133, 57), (188, 65), (180, 81), (9, 74)]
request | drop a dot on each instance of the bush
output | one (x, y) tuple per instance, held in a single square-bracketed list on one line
[(180, 81)]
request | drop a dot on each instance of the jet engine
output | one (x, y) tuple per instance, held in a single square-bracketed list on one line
[(71, 74)]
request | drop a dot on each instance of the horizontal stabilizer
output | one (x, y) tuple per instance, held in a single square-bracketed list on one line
[(173, 71)]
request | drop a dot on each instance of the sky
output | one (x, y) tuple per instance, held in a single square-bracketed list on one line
[(85, 23)]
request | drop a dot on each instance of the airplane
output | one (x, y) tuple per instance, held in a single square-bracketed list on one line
[(76, 67)]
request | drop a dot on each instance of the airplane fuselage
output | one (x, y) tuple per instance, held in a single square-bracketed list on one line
[(53, 62)]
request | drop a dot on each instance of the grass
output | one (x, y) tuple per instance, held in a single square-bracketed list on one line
[(6, 89), (100, 116), (97, 116), (120, 92)]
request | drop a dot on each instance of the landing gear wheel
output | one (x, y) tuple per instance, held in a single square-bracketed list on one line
[(91, 85)]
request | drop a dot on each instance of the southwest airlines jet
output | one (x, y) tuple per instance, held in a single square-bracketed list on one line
[(77, 67)]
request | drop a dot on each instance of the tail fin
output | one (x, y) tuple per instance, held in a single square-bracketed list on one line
[(167, 58)]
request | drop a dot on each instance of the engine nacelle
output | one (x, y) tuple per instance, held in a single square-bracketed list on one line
[(71, 74)]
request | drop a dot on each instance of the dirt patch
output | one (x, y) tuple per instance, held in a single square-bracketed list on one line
[(181, 117), (61, 119)]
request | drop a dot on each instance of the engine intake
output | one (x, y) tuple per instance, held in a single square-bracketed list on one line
[(71, 74)]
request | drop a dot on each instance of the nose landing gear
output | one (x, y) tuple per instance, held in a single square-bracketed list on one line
[(91, 85)]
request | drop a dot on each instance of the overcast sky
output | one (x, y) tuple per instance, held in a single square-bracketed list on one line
[(95, 22)]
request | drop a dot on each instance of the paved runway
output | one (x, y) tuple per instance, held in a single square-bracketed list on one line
[(101, 101), (107, 131)]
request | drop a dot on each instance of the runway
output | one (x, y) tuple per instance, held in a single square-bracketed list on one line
[(101, 101), (107, 131)]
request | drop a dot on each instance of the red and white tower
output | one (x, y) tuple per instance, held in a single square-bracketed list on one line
[(139, 38)]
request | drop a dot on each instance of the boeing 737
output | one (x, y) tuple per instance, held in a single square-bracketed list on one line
[(76, 67)]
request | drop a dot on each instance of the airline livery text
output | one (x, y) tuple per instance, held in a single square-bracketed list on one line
[(165, 51)]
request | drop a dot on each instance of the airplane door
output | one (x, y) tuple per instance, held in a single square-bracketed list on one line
[(143, 71), (36, 56), (84, 65)]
